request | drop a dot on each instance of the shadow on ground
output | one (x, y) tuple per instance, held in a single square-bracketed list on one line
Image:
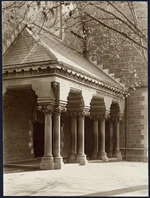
[(15, 169), (119, 191)]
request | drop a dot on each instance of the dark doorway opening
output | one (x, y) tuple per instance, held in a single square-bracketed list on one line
[(38, 139)]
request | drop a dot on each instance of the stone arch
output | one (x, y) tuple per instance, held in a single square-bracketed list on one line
[(97, 106), (97, 111), (77, 114), (19, 113), (75, 101), (114, 110), (75, 104)]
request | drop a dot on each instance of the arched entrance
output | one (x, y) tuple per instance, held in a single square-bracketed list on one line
[(20, 125)]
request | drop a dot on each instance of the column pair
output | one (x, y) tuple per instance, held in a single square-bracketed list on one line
[(114, 122), (77, 138), (99, 153), (51, 158)]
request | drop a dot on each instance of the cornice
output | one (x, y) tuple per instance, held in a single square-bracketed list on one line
[(48, 68)]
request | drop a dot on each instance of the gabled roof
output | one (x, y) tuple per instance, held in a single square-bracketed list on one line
[(30, 48), (26, 50)]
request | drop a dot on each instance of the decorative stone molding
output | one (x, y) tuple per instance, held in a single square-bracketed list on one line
[(45, 108), (47, 68), (56, 89)]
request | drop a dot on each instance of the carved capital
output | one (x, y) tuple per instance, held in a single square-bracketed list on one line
[(45, 108), (81, 114), (73, 114), (95, 116), (105, 116), (57, 110), (86, 112), (118, 118), (63, 109)]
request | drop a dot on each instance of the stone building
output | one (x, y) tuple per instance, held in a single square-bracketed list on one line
[(57, 104), (61, 107)]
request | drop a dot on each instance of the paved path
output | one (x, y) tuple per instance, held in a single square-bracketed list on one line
[(94, 179)]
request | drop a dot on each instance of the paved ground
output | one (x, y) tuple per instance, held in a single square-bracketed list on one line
[(94, 179)]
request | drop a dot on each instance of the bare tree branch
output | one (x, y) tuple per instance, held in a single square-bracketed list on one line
[(115, 30), (126, 18), (123, 21)]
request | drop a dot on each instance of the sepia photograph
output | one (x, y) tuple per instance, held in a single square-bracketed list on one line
[(75, 98)]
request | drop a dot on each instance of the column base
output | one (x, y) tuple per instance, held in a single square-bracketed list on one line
[(72, 158), (94, 155), (58, 162), (81, 159), (47, 163), (103, 156), (110, 153), (118, 155)]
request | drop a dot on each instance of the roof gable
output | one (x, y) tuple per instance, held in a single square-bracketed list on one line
[(26, 50)]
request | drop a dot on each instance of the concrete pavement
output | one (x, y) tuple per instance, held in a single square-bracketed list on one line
[(94, 179)]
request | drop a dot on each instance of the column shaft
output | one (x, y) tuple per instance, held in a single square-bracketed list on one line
[(81, 136), (56, 131), (117, 152), (56, 148), (102, 153), (47, 160), (81, 157), (73, 152), (48, 135), (95, 131), (110, 151)]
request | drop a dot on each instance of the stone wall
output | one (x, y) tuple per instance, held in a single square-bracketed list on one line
[(137, 133)]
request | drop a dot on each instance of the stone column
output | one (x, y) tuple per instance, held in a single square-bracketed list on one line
[(73, 153), (47, 161), (110, 149), (117, 152), (102, 153), (58, 162), (95, 131), (81, 157)]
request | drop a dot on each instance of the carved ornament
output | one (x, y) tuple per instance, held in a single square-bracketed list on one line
[(45, 108), (56, 88)]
